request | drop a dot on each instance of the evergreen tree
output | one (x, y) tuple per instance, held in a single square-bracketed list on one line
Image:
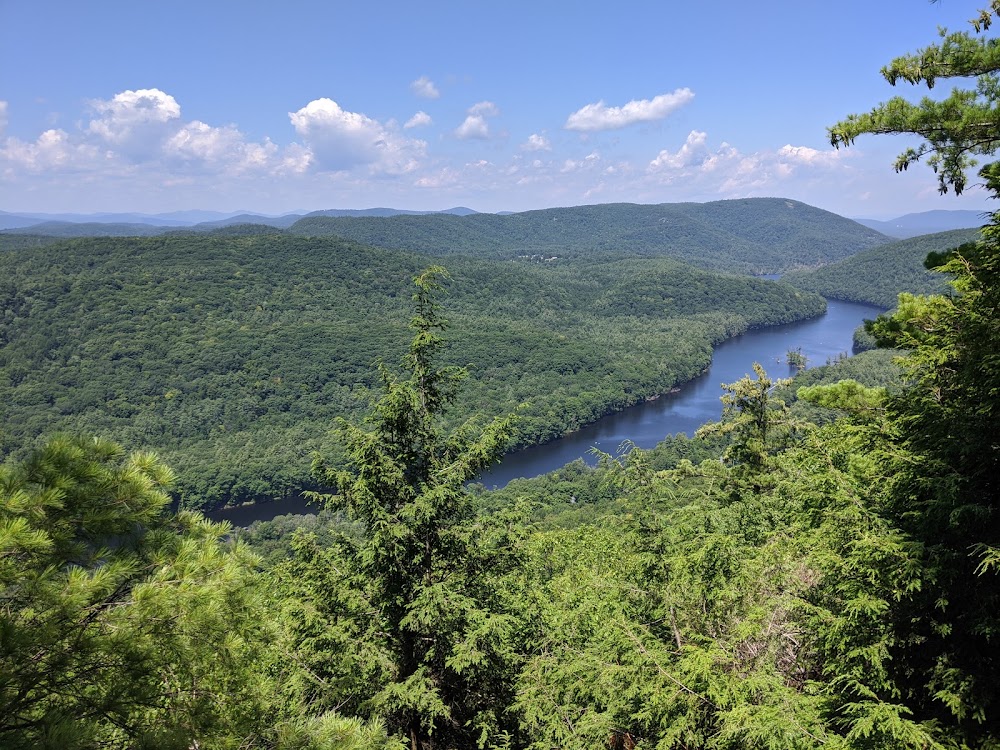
[(425, 582), (943, 494), (121, 625)]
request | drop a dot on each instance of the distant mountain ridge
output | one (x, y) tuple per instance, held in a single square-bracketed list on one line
[(750, 235), (926, 222), (37, 222)]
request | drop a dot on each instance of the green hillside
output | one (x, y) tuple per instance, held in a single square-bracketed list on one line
[(753, 235), (747, 236), (878, 275), (231, 356)]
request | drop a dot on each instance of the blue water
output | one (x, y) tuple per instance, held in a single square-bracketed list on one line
[(820, 339), (697, 402)]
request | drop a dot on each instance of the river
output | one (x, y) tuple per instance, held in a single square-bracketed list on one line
[(696, 402)]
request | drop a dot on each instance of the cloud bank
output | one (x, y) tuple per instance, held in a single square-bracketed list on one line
[(137, 149)]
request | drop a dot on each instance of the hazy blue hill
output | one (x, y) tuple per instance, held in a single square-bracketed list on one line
[(16, 221), (281, 222), (27, 218), (927, 222), (384, 212), (91, 229), (756, 235), (878, 275)]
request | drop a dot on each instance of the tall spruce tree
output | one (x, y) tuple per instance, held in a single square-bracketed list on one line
[(426, 576)]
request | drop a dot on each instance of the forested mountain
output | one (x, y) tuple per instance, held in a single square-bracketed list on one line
[(90, 229), (749, 236), (878, 275), (816, 574), (753, 235), (232, 355)]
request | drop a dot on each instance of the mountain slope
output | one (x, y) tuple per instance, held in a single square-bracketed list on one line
[(926, 222), (754, 235), (878, 275), (232, 355)]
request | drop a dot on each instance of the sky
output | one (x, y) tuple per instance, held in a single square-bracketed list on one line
[(296, 106)]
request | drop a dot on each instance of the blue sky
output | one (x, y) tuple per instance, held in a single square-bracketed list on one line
[(268, 107)]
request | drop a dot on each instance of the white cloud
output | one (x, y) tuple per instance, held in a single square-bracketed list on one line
[(135, 123), (443, 178), (485, 109), (419, 120), (3, 117), (811, 157), (424, 88), (588, 162), (693, 152), (224, 147), (475, 125), (53, 150), (339, 140), (536, 142), (601, 117)]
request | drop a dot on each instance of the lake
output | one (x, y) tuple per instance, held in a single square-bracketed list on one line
[(820, 339)]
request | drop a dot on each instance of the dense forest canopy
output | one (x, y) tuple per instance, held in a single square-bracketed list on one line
[(878, 275), (230, 355), (821, 568), (753, 235)]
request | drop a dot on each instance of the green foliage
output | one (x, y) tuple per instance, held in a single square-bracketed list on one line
[(751, 235), (120, 626), (941, 495), (954, 129), (230, 355), (796, 359), (413, 621), (331, 731), (758, 424), (847, 395), (878, 275)]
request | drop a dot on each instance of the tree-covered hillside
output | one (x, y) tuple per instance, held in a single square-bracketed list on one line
[(778, 582), (231, 356), (878, 275), (753, 235)]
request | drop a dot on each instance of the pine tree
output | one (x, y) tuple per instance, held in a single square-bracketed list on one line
[(121, 625), (944, 492), (430, 575)]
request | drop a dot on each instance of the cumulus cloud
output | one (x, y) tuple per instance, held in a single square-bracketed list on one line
[(536, 142), (218, 147), (419, 120), (141, 129), (811, 157), (135, 123), (339, 140), (599, 116), (53, 150), (424, 88), (693, 152), (587, 162), (475, 124), (443, 178), (3, 117)]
